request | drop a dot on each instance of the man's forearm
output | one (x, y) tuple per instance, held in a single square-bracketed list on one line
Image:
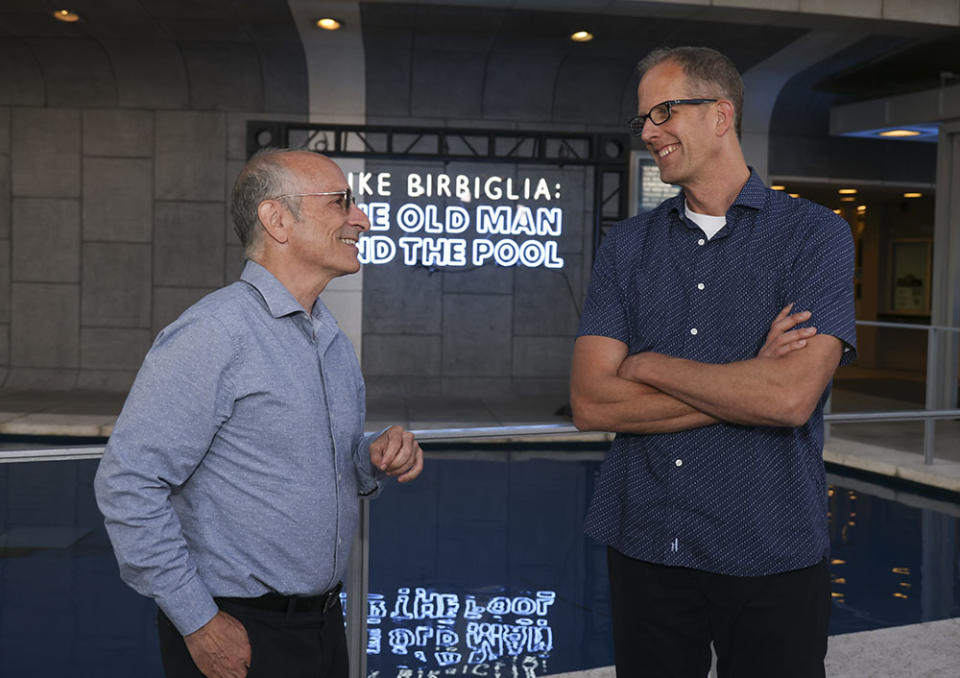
[(602, 400), (622, 406), (760, 391)]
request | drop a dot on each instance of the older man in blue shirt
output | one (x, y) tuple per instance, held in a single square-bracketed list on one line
[(231, 483), (712, 500)]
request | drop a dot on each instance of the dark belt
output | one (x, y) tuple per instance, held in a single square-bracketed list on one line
[(277, 602)]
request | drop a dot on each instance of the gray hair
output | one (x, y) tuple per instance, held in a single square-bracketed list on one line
[(705, 68), (265, 176)]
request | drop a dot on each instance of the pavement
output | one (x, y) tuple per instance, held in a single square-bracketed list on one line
[(929, 650)]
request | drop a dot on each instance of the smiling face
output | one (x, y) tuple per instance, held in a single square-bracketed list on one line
[(323, 241), (683, 147)]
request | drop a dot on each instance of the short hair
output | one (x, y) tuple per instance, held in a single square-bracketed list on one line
[(265, 176), (706, 68)]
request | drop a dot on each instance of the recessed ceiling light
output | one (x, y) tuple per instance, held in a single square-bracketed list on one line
[(838, 212), (777, 187), (847, 191), (66, 15), (848, 198), (861, 209), (913, 195), (794, 195), (582, 36), (899, 133), (329, 24)]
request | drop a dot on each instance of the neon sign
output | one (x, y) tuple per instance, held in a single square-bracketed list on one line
[(427, 634), (519, 234)]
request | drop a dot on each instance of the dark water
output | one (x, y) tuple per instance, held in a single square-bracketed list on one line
[(477, 568)]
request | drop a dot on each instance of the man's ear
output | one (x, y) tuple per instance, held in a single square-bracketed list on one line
[(272, 216), (725, 117)]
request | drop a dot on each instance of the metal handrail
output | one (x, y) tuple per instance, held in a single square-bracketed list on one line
[(906, 326), (81, 452), (935, 387)]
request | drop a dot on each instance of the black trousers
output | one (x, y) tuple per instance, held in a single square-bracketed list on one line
[(288, 645), (664, 619)]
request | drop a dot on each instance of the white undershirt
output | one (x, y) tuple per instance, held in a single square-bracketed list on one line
[(708, 224)]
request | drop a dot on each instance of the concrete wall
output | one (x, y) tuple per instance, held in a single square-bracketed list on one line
[(116, 160), (118, 143), (479, 331)]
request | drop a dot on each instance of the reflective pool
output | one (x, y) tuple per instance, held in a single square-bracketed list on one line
[(477, 568)]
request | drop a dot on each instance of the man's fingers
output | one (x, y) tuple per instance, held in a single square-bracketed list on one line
[(404, 457), (781, 351), (220, 648), (790, 341), (784, 324), (416, 467), (396, 451), (794, 335), (784, 312), (386, 447)]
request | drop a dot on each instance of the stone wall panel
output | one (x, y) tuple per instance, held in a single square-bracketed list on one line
[(46, 240), (45, 325), (188, 247), (116, 285), (46, 152), (117, 199), (190, 156)]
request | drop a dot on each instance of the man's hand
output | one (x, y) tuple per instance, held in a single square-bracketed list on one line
[(397, 453), (220, 648), (782, 338)]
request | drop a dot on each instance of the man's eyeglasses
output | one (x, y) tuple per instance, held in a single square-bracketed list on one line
[(660, 113), (344, 202)]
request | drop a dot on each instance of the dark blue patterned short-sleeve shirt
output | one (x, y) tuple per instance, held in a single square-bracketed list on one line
[(732, 499)]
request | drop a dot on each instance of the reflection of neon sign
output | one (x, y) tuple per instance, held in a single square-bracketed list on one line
[(510, 235), (432, 632)]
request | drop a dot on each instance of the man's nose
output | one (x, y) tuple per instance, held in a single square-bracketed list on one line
[(358, 217), (649, 131)]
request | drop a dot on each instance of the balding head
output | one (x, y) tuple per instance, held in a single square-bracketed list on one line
[(266, 175)]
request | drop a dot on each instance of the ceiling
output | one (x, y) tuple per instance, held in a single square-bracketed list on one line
[(917, 57)]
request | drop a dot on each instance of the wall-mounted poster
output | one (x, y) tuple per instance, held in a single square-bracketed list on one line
[(911, 276)]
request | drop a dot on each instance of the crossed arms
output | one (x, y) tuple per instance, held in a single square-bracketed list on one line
[(655, 393)]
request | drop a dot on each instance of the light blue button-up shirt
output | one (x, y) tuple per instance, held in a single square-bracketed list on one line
[(236, 465)]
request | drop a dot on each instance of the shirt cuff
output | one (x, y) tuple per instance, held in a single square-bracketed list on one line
[(369, 477), (189, 607)]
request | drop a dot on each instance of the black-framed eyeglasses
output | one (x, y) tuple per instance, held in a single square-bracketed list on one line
[(347, 198), (660, 113)]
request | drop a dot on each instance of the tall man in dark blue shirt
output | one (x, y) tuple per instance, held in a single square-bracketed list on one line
[(712, 500)]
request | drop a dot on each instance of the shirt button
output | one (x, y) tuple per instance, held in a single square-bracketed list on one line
[(701, 242), (679, 462), (693, 330), (700, 286)]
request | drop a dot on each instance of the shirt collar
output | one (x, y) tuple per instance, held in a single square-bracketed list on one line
[(277, 297), (753, 195)]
